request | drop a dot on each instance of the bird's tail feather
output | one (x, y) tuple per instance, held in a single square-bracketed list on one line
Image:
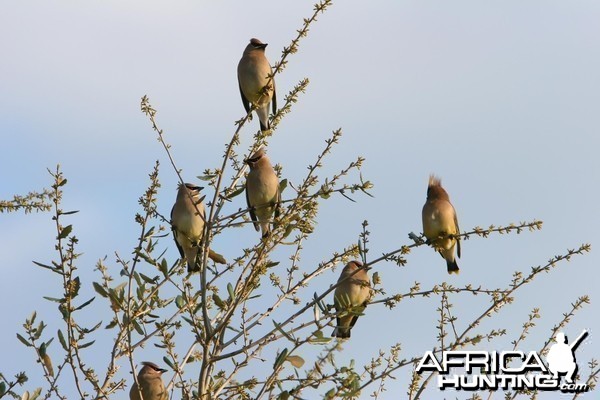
[(452, 267), (341, 332)]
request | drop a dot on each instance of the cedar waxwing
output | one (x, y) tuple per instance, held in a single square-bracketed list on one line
[(150, 379), (439, 219), (253, 71), (353, 290), (188, 225), (262, 191)]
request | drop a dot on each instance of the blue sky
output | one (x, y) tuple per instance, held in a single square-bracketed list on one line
[(499, 99)]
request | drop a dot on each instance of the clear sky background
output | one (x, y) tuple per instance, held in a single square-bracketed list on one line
[(500, 99)]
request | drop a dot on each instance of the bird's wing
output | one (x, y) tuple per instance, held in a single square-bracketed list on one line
[(274, 99), (353, 321), (458, 233), (244, 99), (251, 210), (174, 229), (278, 204)]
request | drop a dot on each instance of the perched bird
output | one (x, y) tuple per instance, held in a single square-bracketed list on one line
[(353, 290), (439, 221), (253, 75), (150, 380), (187, 222), (262, 191)]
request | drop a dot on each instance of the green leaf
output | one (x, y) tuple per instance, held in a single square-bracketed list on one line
[(325, 192), (164, 267), (69, 212), (236, 192), (31, 319), (43, 349), (179, 302), (39, 330), (280, 359), (149, 233), (88, 344), (283, 395), (197, 308), (23, 340), (296, 361), (54, 299), (139, 291), (2, 388), (85, 304), (137, 327), (120, 287), (207, 177), (147, 278), (92, 329), (145, 257), (319, 338), (99, 289), (36, 393), (230, 291), (325, 340), (62, 340), (282, 185), (44, 266), (64, 311), (65, 232), (48, 363), (284, 333), (219, 302), (111, 324), (168, 362)]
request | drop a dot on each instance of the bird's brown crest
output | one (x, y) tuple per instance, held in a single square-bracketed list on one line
[(153, 366), (435, 189), (256, 156), (257, 43), (434, 181), (354, 264), (193, 188)]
